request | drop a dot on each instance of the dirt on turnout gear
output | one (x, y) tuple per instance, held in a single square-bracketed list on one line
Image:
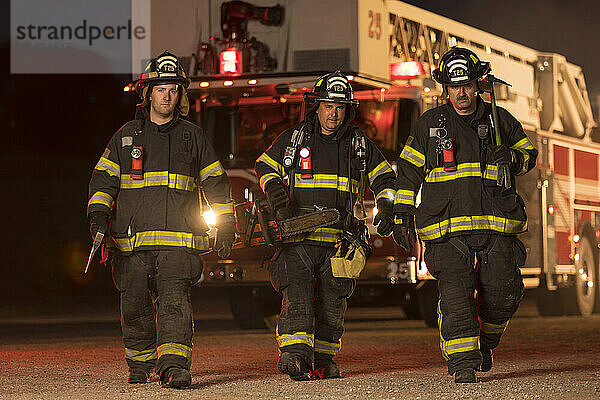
[(465, 216), (314, 301), (148, 180)]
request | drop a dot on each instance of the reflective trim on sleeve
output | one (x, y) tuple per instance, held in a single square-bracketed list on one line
[(214, 169), (326, 181), (111, 167), (140, 356), (412, 156), (163, 238), (386, 194), (523, 144), (101, 198), (272, 163), (472, 223), (176, 349), (463, 170), (383, 168), (220, 209), (266, 178), (159, 178), (525, 162), (406, 197), (492, 329), (296, 338), (324, 347)]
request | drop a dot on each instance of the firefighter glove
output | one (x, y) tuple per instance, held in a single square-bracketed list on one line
[(226, 235), (98, 223), (384, 219), (500, 155), (404, 231), (277, 195)]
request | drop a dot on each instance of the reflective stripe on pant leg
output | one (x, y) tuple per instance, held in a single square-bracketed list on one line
[(460, 345), (175, 349), (324, 347), (140, 356), (295, 338), (492, 329)]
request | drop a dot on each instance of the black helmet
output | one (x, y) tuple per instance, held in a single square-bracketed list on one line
[(460, 66), (333, 87), (162, 70)]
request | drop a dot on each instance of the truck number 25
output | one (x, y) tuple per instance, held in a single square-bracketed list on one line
[(374, 24)]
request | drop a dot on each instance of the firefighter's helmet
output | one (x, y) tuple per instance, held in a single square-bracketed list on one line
[(460, 66), (162, 70), (333, 87)]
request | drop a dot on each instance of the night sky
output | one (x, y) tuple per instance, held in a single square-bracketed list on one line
[(55, 126)]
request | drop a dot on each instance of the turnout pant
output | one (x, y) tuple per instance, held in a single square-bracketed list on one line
[(156, 308), (311, 322), (488, 263)]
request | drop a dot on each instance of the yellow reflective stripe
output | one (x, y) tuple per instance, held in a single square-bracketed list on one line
[(296, 338), (460, 345), (493, 329), (159, 178), (104, 164), (214, 169), (174, 349), (326, 181), (220, 209), (163, 238), (405, 197), (524, 144), (389, 194), (491, 172), (463, 170), (140, 356), (525, 162), (101, 198), (382, 168), (321, 346), (272, 163), (440, 320), (412, 156), (329, 235), (470, 223), (266, 178)]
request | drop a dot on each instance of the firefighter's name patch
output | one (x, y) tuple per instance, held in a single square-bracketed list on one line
[(126, 141)]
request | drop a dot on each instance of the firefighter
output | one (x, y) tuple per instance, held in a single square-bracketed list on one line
[(321, 162), (144, 193), (468, 222)]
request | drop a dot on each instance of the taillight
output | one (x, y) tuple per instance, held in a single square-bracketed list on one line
[(231, 62), (406, 70)]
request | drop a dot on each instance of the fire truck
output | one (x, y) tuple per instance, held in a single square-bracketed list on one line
[(251, 63)]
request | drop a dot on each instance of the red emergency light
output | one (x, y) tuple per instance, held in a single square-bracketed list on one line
[(406, 70), (231, 62)]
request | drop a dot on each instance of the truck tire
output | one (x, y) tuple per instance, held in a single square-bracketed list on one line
[(581, 298), (254, 307), (427, 297)]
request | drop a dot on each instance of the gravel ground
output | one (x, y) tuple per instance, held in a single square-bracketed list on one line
[(539, 358)]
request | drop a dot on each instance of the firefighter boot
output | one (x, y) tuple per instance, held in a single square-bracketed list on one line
[(139, 376), (292, 364), (465, 376), (325, 368), (487, 360), (175, 377)]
